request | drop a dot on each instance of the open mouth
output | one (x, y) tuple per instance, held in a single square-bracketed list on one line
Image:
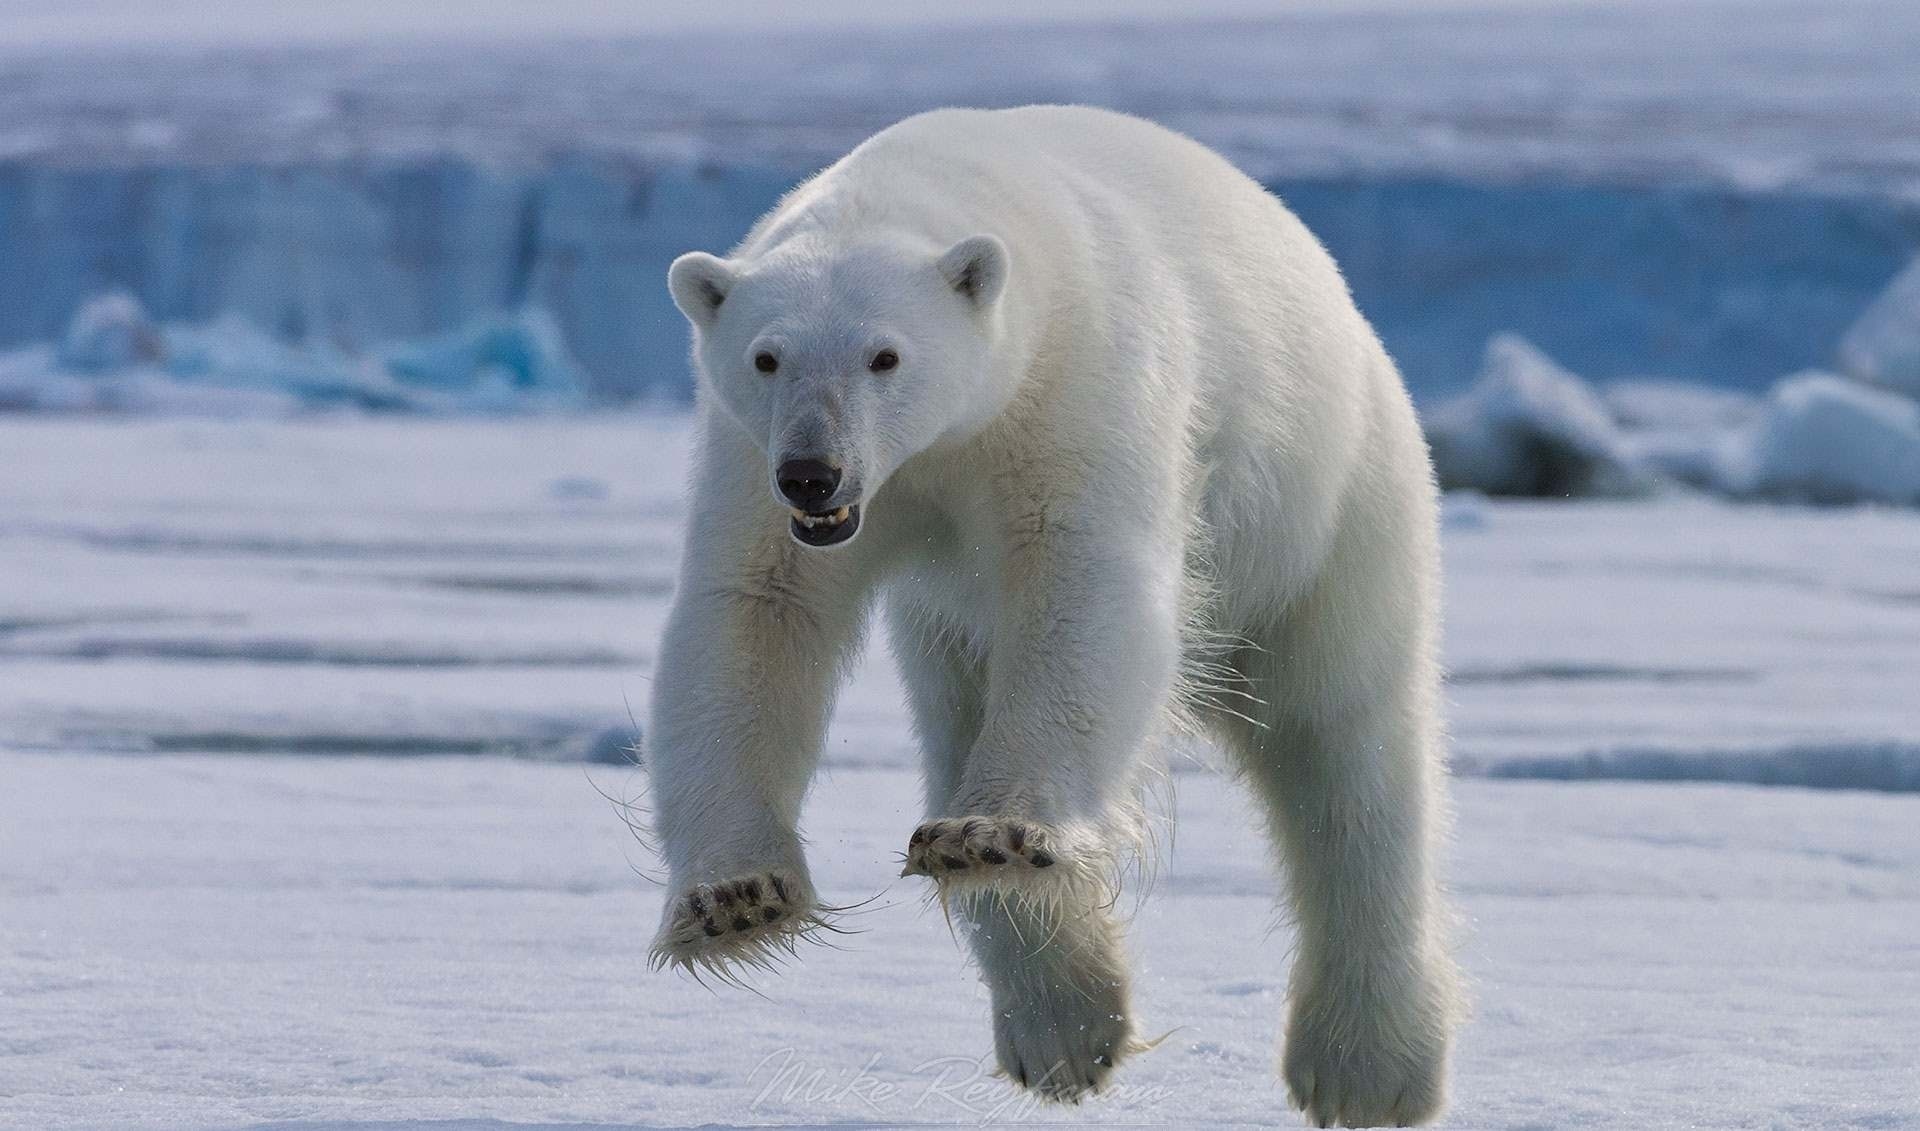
[(828, 528)]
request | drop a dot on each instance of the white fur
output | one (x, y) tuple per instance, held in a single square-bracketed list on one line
[(1141, 460)]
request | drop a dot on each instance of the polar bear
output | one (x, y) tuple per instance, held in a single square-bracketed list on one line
[(1098, 417)]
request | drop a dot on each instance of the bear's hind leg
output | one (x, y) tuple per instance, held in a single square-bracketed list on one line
[(1062, 1017), (1344, 752)]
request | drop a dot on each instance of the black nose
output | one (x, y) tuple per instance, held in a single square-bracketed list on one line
[(807, 483)]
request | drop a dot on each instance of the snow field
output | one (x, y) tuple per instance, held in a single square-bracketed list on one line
[(208, 923)]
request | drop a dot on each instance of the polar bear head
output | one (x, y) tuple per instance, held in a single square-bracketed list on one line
[(845, 361)]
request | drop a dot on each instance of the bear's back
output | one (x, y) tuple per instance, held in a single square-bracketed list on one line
[(1082, 151), (1073, 173)]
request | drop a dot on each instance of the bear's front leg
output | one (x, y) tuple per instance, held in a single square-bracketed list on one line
[(727, 922), (1080, 672), (1062, 1016), (1028, 843), (759, 633)]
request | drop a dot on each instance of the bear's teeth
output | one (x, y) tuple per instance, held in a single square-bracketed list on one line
[(812, 520)]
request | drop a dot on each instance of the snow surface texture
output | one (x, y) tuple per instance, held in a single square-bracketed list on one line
[(1647, 192), (196, 938)]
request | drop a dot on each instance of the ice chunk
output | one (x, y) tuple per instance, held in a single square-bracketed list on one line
[(1697, 457), (27, 383), (1883, 346), (1529, 427), (1824, 438), (493, 361), (1671, 406), (232, 354), (114, 358), (108, 332), (1682, 432)]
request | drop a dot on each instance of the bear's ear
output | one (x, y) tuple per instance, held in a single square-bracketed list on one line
[(700, 283), (976, 267)]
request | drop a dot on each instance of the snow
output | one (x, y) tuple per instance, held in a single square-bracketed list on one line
[(210, 924), (41, 23), (1783, 95), (208, 942)]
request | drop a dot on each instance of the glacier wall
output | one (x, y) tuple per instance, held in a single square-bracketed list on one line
[(1728, 286)]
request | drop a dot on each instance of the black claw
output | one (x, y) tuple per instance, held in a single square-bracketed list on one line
[(1041, 858), (1017, 837), (919, 836), (712, 931), (968, 826), (771, 914), (779, 888), (723, 895), (953, 862), (752, 888), (696, 905), (993, 855), (740, 923)]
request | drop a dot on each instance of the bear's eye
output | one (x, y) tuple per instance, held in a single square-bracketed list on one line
[(765, 362), (884, 361)]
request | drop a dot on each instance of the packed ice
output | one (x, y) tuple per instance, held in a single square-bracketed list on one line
[(364, 193), (1528, 426), (114, 357)]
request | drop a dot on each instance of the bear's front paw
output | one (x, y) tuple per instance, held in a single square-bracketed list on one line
[(741, 920), (984, 848), (1061, 1014), (1062, 1043)]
